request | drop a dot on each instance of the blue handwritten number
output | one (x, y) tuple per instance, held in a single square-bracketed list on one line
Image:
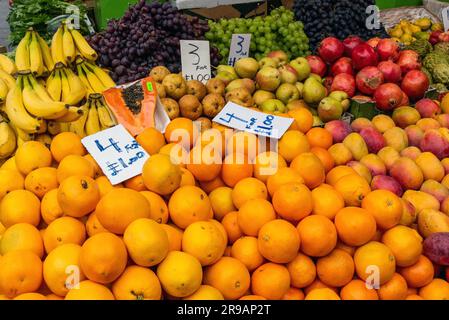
[(113, 168), (240, 44), (112, 144), (193, 52), (232, 116)]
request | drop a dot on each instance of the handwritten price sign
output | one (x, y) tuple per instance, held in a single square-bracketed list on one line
[(239, 47), (195, 60)]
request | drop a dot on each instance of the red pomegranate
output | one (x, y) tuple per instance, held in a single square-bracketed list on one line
[(317, 65), (344, 82), (363, 56), (330, 49), (415, 84), (369, 79), (387, 49), (327, 82), (405, 100), (350, 43), (342, 65), (391, 71), (388, 96), (408, 60)]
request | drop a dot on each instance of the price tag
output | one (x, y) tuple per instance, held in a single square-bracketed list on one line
[(239, 47), (117, 153), (195, 60), (445, 16), (259, 123)]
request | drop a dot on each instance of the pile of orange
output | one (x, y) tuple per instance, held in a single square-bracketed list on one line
[(309, 230)]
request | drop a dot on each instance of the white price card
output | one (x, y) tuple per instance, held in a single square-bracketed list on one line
[(239, 47), (445, 17), (259, 123), (117, 153), (195, 60)]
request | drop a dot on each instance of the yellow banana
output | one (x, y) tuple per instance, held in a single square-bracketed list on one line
[(36, 63), (65, 86), (7, 64), (92, 122), (82, 46), (84, 80), (107, 119), (77, 89), (101, 74), (23, 53), (46, 53), (94, 82), (8, 140), (54, 85), (73, 114), (53, 127), (57, 51), (9, 80), (3, 91), (38, 88), (44, 138), (68, 45), (78, 126)]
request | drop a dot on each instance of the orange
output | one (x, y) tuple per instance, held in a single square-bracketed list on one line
[(209, 186), (438, 289), (318, 236), (137, 283), (161, 175), (120, 207), (281, 177), (19, 206), (355, 226), (97, 170), (231, 225), (356, 290), (336, 269), (74, 165), (252, 297), (236, 167), (177, 154), (205, 292), (303, 119), (271, 281), (174, 235), (345, 247), (187, 178), (253, 215), (318, 284), (213, 142), (89, 290), (246, 250), (293, 294), (302, 271), (187, 205), (10, 180), (322, 294), (62, 259), (20, 272), (375, 261), (103, 257), (66, 143), (93, 226), (204, 167), (229, 276), (158, 207), (22, 236), (413, 297), (64, 230), (248, 189), (245, 143), (41, 180), (135, 183), (325, 157), (292, 144), (180, 274), (406, 244), (222, 231), (221, 202), (319, 137), (353, 188), (338, 172), (30, 296), (385, 206), (326, 201), (278, 241), (50, 208), (266, 164), (32, 155), (146, 242), (293, 201), (394, 289), (183, 131), (420, 274), (78, 196), (310, 168), (204, 241), (151, 140), (104, 185)]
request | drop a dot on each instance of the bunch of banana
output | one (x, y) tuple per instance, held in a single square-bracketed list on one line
[(95, 79), (67, 43), (8, 140), (97, 116), (33, 54), (65, 86), (7, 64), (3, 90)]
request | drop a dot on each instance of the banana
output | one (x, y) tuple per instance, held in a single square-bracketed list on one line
[(73, 114), (8, 141), (7, 64), (94, 82), (53, 127), (93, 122), (57, 51), (36, 62), (39, 88), (101, 74), (54, 85), (68, 45), (9, 80), (3, 91), (78, 126), (107, 119), (46, 53), (82, 46), (77, 89), (65, 86), (23, 136), (65, 126), (45, 139), (84, 80), (23, 53)]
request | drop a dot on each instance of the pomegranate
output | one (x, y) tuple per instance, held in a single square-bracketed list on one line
[(363, 56), (330, 49), (350, 43), (415, 84), (369, 79), (317, 65), (388, 96), (327, 82), (443, 37), (405, 101), (373, 42), (387, 49), (427, 108), (391, 71), (362, 99), (342, 65), (435, 37), (408, 60), (344, 82)]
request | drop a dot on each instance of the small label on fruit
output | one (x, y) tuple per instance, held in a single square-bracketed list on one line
[(117, 153), (195, 60), (239, 47), (445, 17), (259, 123)]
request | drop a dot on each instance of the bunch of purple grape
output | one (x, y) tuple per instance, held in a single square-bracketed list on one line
[(146, 36)]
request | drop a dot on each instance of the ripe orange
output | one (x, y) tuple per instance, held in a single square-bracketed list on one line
[(293, 294), (303, 119), (325, 157), (245, 143), (174, 235), (322, 294), (420, 274), (326, 201), (355, 226), (353, 188), (22, 236), (246, 250), (176, 153), (41, 180), (19, 206), (302, 271), (414, 297), (236, 166), (187, 178), (64, 230), (32, 155), (30, 296), (252, 297), (151, 140), (137, 283), (281, 177), (205, 292), (253, 215), (293, 201), (10, 180), (78, 196), (319, 137), (66, 143), (248, 189), (338, 172), (310, 168), (375, 261), (93, 226), (318, 284), (183, 131), (406, 244), (135, 183), (74, 165), (318, 235), (50, 208), (221, 202), (292, 144), (336, 269), (209, 186), (266, 164), (161, 175), (104, 185), (97, 170), (385, 206), (438, 289), (271, 281), (203, 166), (357, 290), (394, 289), (89, 290), (231, 225)]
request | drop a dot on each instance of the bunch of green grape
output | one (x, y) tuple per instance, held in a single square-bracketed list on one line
[(277, 31)]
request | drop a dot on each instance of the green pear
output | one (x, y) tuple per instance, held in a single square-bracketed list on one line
[(342, 97), (227, 68), (313, 91), (273, 105), (330, 109)]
